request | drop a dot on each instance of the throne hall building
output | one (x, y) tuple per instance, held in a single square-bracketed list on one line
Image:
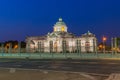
[(60, 40)]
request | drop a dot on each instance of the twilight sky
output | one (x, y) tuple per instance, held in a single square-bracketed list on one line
[(21, 18)]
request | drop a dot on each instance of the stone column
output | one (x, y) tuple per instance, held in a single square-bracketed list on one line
[(95, 45), (38, 46), (28, 47), (51, 46), (79, 46), (64, 46)]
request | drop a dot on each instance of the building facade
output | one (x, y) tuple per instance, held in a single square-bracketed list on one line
[(60, 40)]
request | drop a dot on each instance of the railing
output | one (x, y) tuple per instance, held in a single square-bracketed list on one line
[(75, 54), (60, 56)]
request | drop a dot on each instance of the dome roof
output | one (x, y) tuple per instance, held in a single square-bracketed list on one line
[(60, 22), (88, 34), (61, 34)]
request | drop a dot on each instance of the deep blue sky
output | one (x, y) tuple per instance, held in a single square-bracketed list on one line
[(21, 18)]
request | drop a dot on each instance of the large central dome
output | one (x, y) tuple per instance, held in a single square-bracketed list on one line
[(60, 23), (60, 26)]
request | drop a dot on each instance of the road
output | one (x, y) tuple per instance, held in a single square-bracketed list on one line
[(87, 66)]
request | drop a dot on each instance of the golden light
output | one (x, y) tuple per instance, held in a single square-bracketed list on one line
[(104, 47), (113, 48), (16, 46), (104, 38), (100, 46), (7, 45), (63, 28), (117, 49), (55, 29)]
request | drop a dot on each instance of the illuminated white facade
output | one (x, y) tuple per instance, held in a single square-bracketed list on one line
[(60, 40)]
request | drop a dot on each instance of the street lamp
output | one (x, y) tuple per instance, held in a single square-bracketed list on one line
[(104, 40)]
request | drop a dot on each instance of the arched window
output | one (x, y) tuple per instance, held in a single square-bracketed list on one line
[(87, 46), (78, 46), (51, 46), (64, 46), (40, 46)]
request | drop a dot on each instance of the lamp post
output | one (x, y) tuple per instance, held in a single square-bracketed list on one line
[(115, 45), (112, 44), (104, 40)]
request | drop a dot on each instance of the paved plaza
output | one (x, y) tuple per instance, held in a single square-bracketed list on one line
[(13, 74)]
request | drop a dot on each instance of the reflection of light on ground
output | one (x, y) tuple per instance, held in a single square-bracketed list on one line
[(114, 77)]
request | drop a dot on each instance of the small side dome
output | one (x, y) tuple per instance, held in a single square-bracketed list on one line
[(88, 34)]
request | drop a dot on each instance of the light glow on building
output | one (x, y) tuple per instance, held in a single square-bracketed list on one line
[(60, 39)]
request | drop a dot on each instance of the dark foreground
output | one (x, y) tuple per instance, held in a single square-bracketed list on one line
[(6, 74), (94, 66)]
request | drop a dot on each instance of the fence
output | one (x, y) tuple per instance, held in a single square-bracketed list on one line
[(59, 56), (36, 53)]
